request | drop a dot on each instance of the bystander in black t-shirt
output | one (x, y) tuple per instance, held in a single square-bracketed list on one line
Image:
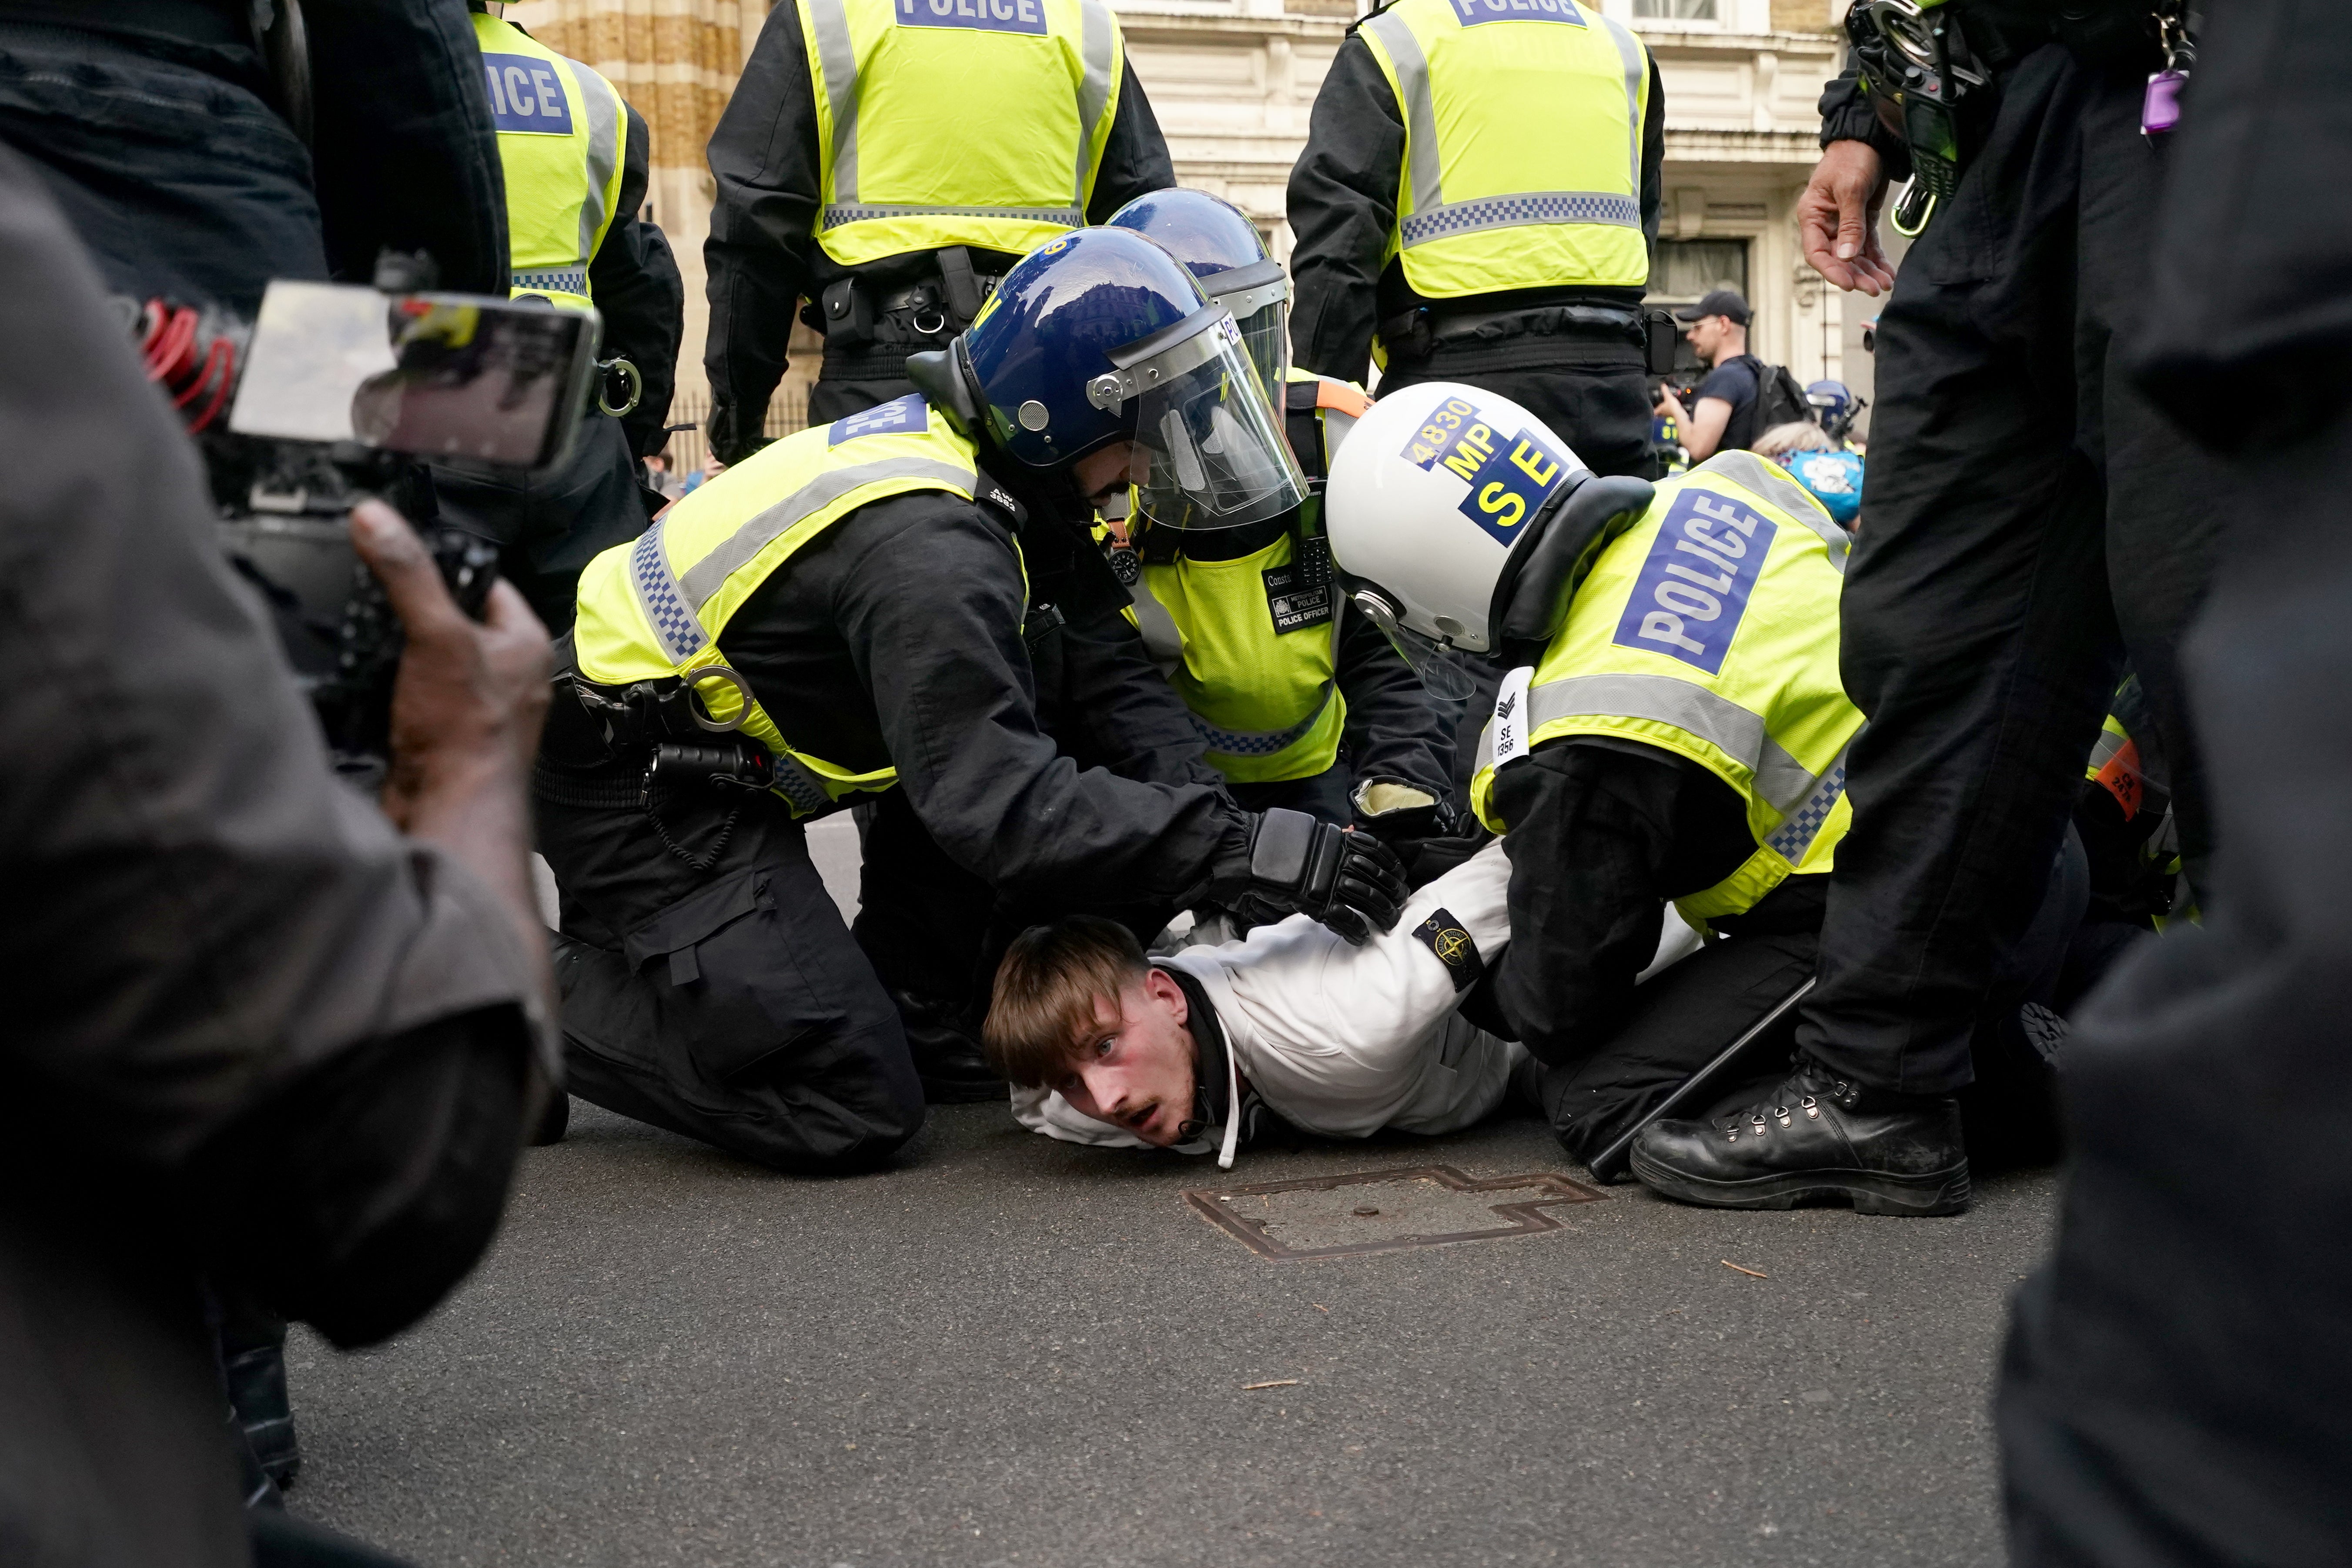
[(1734, 381)]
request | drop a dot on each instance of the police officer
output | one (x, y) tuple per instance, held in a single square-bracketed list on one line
[(2029, 519), (886, 160), (1476, 203), (198, 159), (1278, 678), (575, 162), (840, 616)]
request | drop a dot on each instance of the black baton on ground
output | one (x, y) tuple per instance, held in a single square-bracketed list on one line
[(1612, 1161)]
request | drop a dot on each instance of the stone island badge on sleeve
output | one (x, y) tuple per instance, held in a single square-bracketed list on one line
[(1443, 935)]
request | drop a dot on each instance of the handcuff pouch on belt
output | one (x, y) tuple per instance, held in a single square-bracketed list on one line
[(853, 310), (666, 726)]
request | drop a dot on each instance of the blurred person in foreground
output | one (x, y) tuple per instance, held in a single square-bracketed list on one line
[(240, 989), (2174, 1383)]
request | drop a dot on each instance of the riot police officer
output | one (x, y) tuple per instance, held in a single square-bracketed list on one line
[(885, 161), (840, 616), (1278, 677), (1476, 203), (574, 155)]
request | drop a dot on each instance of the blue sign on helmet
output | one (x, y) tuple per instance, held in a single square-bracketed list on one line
[(1226, 255)]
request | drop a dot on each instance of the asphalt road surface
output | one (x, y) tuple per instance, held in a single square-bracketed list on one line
[(1009, 1351)]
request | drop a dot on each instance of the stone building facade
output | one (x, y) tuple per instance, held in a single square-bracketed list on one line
[(1234, 81)]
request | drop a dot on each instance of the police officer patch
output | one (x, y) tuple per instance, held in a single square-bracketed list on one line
[(903, 416), (1299, 595), (1472, 12), (1693, 591), (527, 95), (982, 15)]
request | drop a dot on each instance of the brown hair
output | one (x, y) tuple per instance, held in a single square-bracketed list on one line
[(1051, 992)]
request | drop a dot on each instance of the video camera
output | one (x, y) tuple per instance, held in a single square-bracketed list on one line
[(332, 392)]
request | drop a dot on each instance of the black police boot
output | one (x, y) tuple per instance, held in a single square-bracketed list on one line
[(947, 1056), (253, 1363), (1817, 1138)]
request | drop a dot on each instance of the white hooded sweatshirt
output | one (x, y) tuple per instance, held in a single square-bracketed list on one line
[(1343, 1040)]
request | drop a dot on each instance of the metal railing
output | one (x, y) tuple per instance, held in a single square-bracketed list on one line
[(787, 412)]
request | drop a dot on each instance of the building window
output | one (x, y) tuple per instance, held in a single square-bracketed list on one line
[(1687, 269), (1676, 10)]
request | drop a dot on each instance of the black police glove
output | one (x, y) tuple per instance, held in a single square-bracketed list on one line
[(733, 433), (1294, 863), (1396, 813)]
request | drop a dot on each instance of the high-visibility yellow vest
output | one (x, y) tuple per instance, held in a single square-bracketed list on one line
[(1522, 144), (655, 610), (563, 136), (1709, 630), (944, 122), (1251, 644)]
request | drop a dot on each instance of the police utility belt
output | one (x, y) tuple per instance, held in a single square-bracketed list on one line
[(1932, 69), (624, 746), (870, 327), (1417, 334)]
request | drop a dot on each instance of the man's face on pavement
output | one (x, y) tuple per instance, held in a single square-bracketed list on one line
[(1136, 1071)]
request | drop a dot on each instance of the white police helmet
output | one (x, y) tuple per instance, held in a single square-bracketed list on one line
[(1459, 520)]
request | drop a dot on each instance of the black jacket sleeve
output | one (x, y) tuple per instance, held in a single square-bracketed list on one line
[(1342, 208), (1135, 159), (763, 244), (201, 922), (1601, 834), (406, 154), (1394, 731), (1847, 115), (637, 288), (1653, 161), (931, 607)]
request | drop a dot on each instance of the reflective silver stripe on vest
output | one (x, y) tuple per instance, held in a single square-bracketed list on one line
[(1637, 73), (2104, 751), (1068, 217), (606, 136), (570, 280), (707, 576), (839, 56), (662, 601), (1770, 480), (1420, 109), (1782, 780), (1793, 838), (1259, 742), (1093, 93), (1451, 219)]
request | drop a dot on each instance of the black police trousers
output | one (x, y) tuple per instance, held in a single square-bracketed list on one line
[(730, 1004), (548, 527), (2029, 516), (1689, 1014)]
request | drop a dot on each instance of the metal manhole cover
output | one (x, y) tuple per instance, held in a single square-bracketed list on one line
[(1382, 1211)]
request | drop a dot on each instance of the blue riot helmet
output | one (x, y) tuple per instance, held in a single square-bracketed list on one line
[(1834, 407), (1100, 336), (1227, 258)]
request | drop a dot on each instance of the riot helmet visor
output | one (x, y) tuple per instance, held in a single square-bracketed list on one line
[(1209, 449)]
